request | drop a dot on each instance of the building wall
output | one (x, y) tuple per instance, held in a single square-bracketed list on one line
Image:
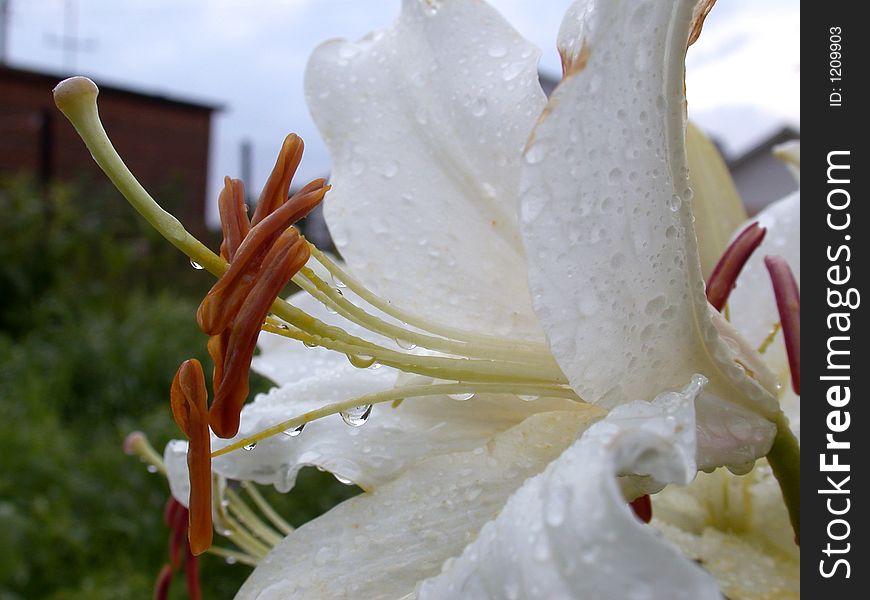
[(164, 142)]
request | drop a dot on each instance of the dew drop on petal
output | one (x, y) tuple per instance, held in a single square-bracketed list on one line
[(528, 397), (342, 479), (461, 397), (294, 431), (497, 51), (310, 345), (250, 446), (675, 203), (390, 169), (357, 416)]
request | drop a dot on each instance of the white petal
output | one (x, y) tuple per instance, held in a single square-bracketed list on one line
[(607, 222), (380, 544), (175, 459), (425, 124), (790, 153), (737, 528), (752, 305), (568, 533), (391, 441)]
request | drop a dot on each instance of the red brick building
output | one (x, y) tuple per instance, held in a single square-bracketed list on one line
[(164, 141)]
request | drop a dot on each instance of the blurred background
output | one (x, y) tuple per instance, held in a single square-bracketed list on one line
[(96, 311)]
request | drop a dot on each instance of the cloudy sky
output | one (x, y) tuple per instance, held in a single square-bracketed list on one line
[(250, 55)]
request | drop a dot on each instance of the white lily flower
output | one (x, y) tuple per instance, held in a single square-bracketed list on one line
[(542, 256)]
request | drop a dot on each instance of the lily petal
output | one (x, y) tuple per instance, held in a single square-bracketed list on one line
[(607, 222), (568, 532), (752, 306), (716, 204), (379, 545), (738, 529), (425, 122)]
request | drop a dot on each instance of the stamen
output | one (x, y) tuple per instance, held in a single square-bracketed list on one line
[(224, 299), (285, 257), (642, 507), (788, 303), (177, 537), (232, 556), (439, 367), (188, 400), (249, 519), (417, 321), (234, 217), (191, 576), (726, 271), (440, 389), (767, 341), (275, 191), (277, 521), (161, 586)]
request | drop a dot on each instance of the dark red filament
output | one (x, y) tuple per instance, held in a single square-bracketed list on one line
[(788, 303), (642, 507), (726, 271)]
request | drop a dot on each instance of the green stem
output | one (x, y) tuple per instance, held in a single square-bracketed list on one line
[(785, 460)]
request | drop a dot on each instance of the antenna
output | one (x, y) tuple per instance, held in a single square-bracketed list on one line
[(69, 42), (4, 29)]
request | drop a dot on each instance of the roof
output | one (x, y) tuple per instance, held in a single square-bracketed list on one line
[(49, 80)]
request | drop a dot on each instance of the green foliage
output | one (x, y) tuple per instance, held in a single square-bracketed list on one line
[(96, 313)]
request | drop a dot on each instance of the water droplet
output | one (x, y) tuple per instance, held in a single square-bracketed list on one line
[(357, 416), (231, 560), (361, 361), (405, 344), (478, 108), (535, 153), (195, 265), (293, 432), (512, 70), (357, 166), (615, 175), (497, 51), (390, 169), (151, 469), (421, 115), (342, 479), (675, 203), (250, 446), (375, 366), (338, 282), (528, 398), (310, 344), (462, 397), (348, 51)]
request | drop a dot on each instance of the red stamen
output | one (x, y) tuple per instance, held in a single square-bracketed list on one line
[(642, 507), (169, 511), (287, 255), (788, 303), (161, 586), (726, 271), (191, 576), (177, 537)]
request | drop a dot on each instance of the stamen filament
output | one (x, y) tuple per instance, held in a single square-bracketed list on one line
[(415, 391), (277, 521), (765, 344), (440, 367), (228, 527), (322, 291), (250, 520), (417, 321), (233, 556)]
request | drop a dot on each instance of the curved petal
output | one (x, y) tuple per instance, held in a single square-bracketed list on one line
[(380, 544), (716, 204), (568, 533), (391, 441), (607, 220), (738, 529), (425, 123), (752, 306)]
